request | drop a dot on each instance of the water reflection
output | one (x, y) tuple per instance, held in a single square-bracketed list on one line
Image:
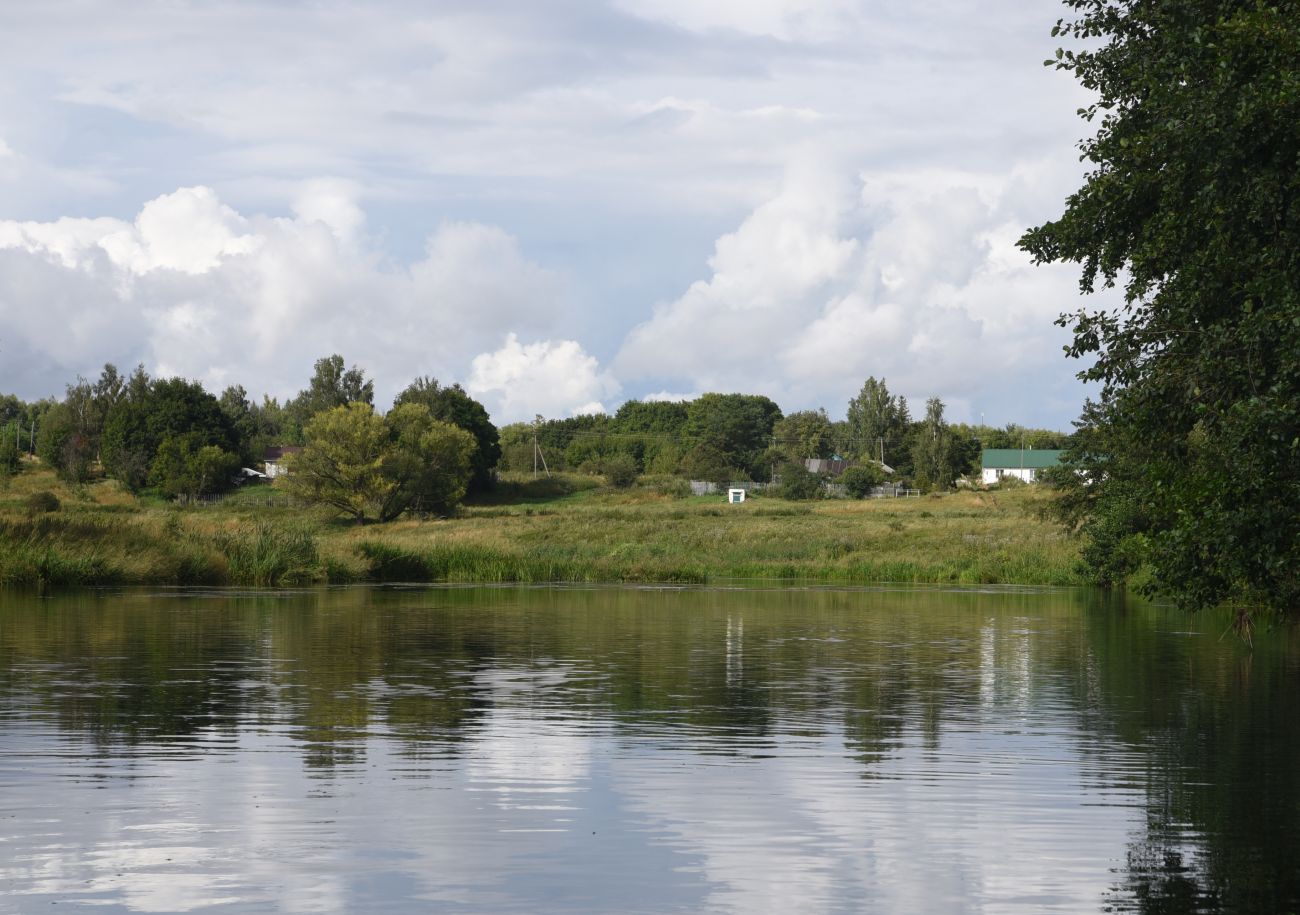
[(599, 750)]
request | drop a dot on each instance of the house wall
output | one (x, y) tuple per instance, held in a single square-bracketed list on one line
[(993, 474)]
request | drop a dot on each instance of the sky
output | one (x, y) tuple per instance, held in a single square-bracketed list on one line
[(559, 205)]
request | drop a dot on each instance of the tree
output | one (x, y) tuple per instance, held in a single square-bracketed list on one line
[(373, 468), (803, 435), (1190, 458), (149, 414), (63, 445), (878, 422), (738, 426), (621, 471), (860, 479), (452, 405), (799, 483), (10, 449), (331, 385), (245, 422), (656, 417), (429, 461), (185, 466), (342, 463), (932, 457)]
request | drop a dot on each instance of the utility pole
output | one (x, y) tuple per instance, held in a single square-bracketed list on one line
[(537, 448)]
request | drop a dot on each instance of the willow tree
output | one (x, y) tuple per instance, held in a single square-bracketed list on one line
[(1189, 460), (371, 467)]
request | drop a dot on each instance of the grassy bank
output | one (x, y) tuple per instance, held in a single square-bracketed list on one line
[(566, 530)]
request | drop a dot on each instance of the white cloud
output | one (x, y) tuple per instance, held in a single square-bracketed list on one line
[(785, 19), (551, 377), (915, 279), (194, 288), (332, 202)]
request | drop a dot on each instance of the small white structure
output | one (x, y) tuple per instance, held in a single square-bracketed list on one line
[(735, 496), (273, 459)]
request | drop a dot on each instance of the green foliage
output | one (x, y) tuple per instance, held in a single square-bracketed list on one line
[(374, 468), (802, 435), (268, 554), (554, 437), (660, 417), (453, 405), (877, 421), (10, 449), (429, 462), (706, 462), (621, 471), (331, 385), (799, 484), (1189, 463), (341, 465), (185, 466), (149, 413), (63, 446), (860, 479), (933, 460), (42, 502), (736, 426)]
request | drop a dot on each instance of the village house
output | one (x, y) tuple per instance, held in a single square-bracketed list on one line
[(273, 459), (1017, 463)]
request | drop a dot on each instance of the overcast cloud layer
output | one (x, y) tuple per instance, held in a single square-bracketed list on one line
[(560, 205)]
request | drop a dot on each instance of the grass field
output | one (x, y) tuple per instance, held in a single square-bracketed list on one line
[(567, 529)]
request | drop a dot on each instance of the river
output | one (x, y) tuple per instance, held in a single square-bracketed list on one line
[(725, 750)]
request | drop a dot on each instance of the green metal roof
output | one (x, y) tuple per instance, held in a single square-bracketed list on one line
[(1009, 458)]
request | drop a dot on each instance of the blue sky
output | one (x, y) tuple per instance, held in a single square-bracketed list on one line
[(560, 205)]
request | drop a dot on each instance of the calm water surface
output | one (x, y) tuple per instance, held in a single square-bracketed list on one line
[(617, 750)]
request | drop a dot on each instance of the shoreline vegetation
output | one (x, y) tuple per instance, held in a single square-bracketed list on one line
[(570, 528)]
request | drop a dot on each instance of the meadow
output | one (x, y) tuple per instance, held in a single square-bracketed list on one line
[(564, 529)]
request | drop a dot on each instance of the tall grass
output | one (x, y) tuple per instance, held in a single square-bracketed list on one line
[(270, 554), (563, 530)]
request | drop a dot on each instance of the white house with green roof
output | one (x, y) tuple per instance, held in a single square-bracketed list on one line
[(1021, 463)]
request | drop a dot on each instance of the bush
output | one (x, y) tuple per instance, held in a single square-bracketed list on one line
[(800, 483), (9, 451), (621, 471), (861, 479), (42, 502), (664, 485)]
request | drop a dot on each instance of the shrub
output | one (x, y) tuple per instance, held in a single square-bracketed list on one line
[(800, 483), (861, 479), (621, 471), (42, 502), (9, 450)]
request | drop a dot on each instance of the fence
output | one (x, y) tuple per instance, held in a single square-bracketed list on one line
[(277, 500), (833, 490)]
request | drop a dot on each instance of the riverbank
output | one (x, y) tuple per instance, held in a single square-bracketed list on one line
[(572, 529)]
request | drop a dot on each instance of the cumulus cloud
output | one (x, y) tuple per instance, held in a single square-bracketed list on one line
[(194, 288), (551, 377), (915, 278)]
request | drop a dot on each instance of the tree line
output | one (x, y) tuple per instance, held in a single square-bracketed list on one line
[(729, 437), (437, 443), (172, 436)]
